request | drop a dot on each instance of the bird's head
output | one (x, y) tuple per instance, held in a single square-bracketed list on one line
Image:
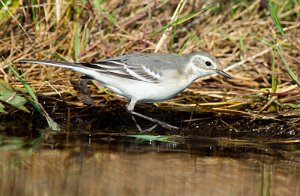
[(205, 64)]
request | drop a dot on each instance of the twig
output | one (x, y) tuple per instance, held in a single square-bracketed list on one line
[(139, 16), (164, 36), (6, 8)]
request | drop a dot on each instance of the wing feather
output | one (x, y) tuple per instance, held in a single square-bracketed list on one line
[(123, 69), (141, 67)]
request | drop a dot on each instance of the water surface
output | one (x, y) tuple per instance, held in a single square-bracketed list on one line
[(104, 164)]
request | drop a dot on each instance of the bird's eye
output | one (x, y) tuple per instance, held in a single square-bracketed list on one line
[(208, 63)]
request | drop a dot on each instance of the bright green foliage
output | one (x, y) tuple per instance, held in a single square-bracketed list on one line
[(7, 4), (9, 96), (34, 101), (152, 138), (2, 111)]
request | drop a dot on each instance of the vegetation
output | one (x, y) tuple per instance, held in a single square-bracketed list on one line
[(257, 41)]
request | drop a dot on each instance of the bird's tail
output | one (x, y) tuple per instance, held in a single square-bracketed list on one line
[(52, 63)]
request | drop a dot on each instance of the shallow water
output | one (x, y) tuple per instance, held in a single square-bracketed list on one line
[(115, 164), (215, 156), (50, 172)]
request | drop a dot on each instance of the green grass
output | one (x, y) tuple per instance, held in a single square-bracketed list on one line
[(242, 43), (274, 16), (181, 20), (4, 6), (290, 72), (152, 138), (11, 97), (34, 101), (274, 78)]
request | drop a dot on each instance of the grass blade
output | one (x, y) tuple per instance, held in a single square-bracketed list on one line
[(274, 16), (274, 78), (76, 43), (10, 96), (152, 138), (27, 87), (287, 67), (181, 20), (34, 101)]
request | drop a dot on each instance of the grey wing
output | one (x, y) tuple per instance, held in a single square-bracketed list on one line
[(151, 68), (122, 67), (158, 62)]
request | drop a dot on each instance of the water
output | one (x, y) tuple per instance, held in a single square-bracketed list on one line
[(104, 164), (92, 159)]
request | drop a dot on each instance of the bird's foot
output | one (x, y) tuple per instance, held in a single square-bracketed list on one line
[(158, 122)]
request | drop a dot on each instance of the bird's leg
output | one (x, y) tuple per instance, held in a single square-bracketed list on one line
[(130, 107), (136, 124), (161, 123), (139, 127)]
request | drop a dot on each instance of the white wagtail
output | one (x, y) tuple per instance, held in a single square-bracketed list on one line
[(146, 77)]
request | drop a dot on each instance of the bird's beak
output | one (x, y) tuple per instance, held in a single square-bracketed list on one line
[(223, 73)]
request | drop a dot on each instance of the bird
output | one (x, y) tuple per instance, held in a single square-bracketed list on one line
[(145, 77)]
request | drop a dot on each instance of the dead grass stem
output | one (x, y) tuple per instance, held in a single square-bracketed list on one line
[(240, 34)]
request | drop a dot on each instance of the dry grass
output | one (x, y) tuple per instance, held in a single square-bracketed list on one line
[(241, 34)]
